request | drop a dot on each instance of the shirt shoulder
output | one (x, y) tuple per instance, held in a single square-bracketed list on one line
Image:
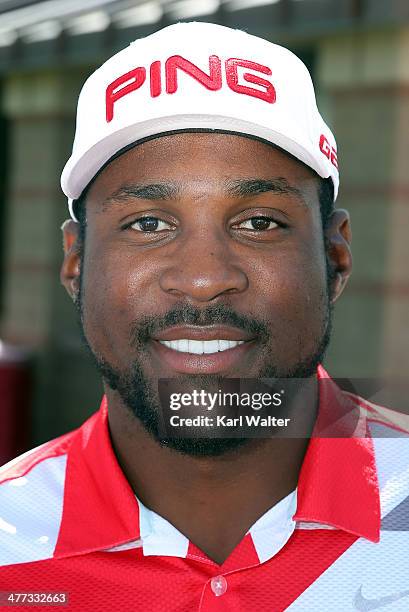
[(31, 502)]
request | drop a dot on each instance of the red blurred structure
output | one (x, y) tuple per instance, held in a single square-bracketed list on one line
[(15, 399)]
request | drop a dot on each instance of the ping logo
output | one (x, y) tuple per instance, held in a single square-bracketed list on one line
[(328, 151), (137, 77)]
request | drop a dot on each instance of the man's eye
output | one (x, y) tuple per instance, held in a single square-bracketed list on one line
[(258, 224), (150, 224)]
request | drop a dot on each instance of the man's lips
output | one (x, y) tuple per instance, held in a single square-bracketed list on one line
[(202, 350)]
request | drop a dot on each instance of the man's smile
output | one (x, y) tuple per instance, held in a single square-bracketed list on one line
[(202, 350)]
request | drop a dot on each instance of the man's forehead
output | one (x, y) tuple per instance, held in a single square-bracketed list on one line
[(194, 157), (174, 163)]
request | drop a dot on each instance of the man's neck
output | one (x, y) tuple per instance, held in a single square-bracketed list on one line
[(213, 501)]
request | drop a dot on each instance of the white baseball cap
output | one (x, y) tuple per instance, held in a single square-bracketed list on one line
[(197, 76)]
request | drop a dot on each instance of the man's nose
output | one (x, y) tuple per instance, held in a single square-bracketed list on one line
[(203, 269)]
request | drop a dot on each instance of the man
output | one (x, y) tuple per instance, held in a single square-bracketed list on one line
[(204, 247)]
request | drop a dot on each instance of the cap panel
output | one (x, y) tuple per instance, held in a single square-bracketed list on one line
[(198, 75)]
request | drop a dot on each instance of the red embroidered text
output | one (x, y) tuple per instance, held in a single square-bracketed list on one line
[(135, 78)]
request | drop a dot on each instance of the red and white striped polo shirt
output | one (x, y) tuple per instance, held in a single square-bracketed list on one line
[(70, 522)]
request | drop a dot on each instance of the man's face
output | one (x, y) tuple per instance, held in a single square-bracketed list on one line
[(203, 237)]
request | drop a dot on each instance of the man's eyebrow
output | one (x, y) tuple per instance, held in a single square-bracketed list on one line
[(248, 187), (151, 191), (171, 191)]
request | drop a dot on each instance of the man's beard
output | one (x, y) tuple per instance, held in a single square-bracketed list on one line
[(142, 399)]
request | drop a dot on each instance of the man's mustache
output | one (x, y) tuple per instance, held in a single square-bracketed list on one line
[(142, 330)]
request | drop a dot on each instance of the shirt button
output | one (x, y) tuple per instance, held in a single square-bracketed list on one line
[(218, 585)]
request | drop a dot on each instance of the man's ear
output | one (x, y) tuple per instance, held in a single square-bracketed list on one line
[(71, 266), (338, 238)]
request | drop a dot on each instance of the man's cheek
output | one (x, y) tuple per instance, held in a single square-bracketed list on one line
[(105, 315), (297, 306)]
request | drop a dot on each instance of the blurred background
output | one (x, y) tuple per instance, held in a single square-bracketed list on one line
[(358, 55)]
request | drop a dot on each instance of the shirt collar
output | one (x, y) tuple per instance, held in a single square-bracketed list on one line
[(99, 508), (337, 485)]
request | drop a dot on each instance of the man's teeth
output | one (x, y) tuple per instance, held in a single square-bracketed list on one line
[(201, 347)]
